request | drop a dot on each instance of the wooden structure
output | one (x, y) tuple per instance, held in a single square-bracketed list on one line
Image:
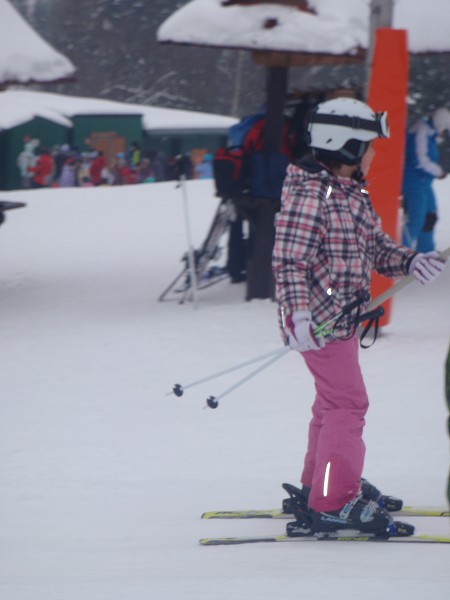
[(277, 62)]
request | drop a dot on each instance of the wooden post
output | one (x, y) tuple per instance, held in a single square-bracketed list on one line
[(277, 78), (237, 84), (381, 14)]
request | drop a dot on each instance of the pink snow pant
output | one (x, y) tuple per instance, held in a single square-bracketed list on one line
[(335, 454)]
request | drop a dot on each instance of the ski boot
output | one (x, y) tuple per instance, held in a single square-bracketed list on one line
[(400, 529), (359, 516), (299, 528), (369, 492), (297, 504), (298, 499), (389, 503)]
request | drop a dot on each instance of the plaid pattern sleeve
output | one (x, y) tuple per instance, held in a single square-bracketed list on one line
[(299, 229), (390, 259)]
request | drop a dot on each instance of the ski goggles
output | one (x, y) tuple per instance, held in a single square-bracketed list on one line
[(379, 123), (382, 124)]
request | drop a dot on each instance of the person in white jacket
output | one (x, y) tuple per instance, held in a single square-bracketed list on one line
[(422, 166), (26, 159)]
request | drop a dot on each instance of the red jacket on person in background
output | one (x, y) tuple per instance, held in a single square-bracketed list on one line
[(42, 170), (95, 171)]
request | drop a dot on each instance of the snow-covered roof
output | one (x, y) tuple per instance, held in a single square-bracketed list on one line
[(20, 106), (337, 27), (25, 56)]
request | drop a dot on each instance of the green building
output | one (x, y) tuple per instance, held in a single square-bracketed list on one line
[(86, 123)]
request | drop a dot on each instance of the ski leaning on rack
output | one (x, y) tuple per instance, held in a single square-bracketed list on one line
[(344, 537), (207, 272), (275, 513)]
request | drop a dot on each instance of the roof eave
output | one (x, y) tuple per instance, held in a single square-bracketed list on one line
[(13, 82), (282, 57)]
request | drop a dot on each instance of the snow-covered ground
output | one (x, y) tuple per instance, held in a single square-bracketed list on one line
[(103, 476)]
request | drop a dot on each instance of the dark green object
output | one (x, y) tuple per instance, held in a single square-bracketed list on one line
[(11, 144)]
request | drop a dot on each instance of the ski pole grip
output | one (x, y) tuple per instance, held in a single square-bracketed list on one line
[(401, 284), (327, 328), (363, 297)]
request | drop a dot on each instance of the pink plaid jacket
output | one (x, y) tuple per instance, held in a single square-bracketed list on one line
[(328, 240)]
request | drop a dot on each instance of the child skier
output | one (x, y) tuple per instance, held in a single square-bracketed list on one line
[(328, 240)]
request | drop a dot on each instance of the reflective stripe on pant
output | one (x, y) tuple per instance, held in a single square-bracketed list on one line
[(335, 455)]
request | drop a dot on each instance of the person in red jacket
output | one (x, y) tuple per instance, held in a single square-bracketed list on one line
[(121, 171), (42, 170), (97, 166)]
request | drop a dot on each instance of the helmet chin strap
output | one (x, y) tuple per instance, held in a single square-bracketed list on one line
[(358, 175), (353, 151)]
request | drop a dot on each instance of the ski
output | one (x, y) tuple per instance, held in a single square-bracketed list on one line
[(275, 513), (412, 539), (207, 274)]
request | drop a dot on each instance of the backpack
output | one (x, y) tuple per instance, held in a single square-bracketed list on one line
[(266, 169), (238, 132), (248, 168), (228, 170), (254, 138)]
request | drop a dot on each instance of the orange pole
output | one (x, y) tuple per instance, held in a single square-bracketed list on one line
[(388, 88)]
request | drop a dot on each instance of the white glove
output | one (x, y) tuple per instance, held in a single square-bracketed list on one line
[(426, 267), (301, 332)]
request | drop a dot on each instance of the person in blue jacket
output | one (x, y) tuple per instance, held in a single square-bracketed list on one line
[(204, 170), (422, 166)]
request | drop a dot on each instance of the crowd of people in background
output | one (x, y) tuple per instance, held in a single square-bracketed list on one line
[(63, 166)]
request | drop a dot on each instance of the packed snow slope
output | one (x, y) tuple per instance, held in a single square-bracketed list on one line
[(103, 475)]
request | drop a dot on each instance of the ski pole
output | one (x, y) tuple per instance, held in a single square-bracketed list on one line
[(191, 254), (178, 389), (213, 401)]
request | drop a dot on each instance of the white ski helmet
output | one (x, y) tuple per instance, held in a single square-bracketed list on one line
[(441, 120), (341, 129)]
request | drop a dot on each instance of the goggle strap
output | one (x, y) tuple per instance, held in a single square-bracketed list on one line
[(352, 122)]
